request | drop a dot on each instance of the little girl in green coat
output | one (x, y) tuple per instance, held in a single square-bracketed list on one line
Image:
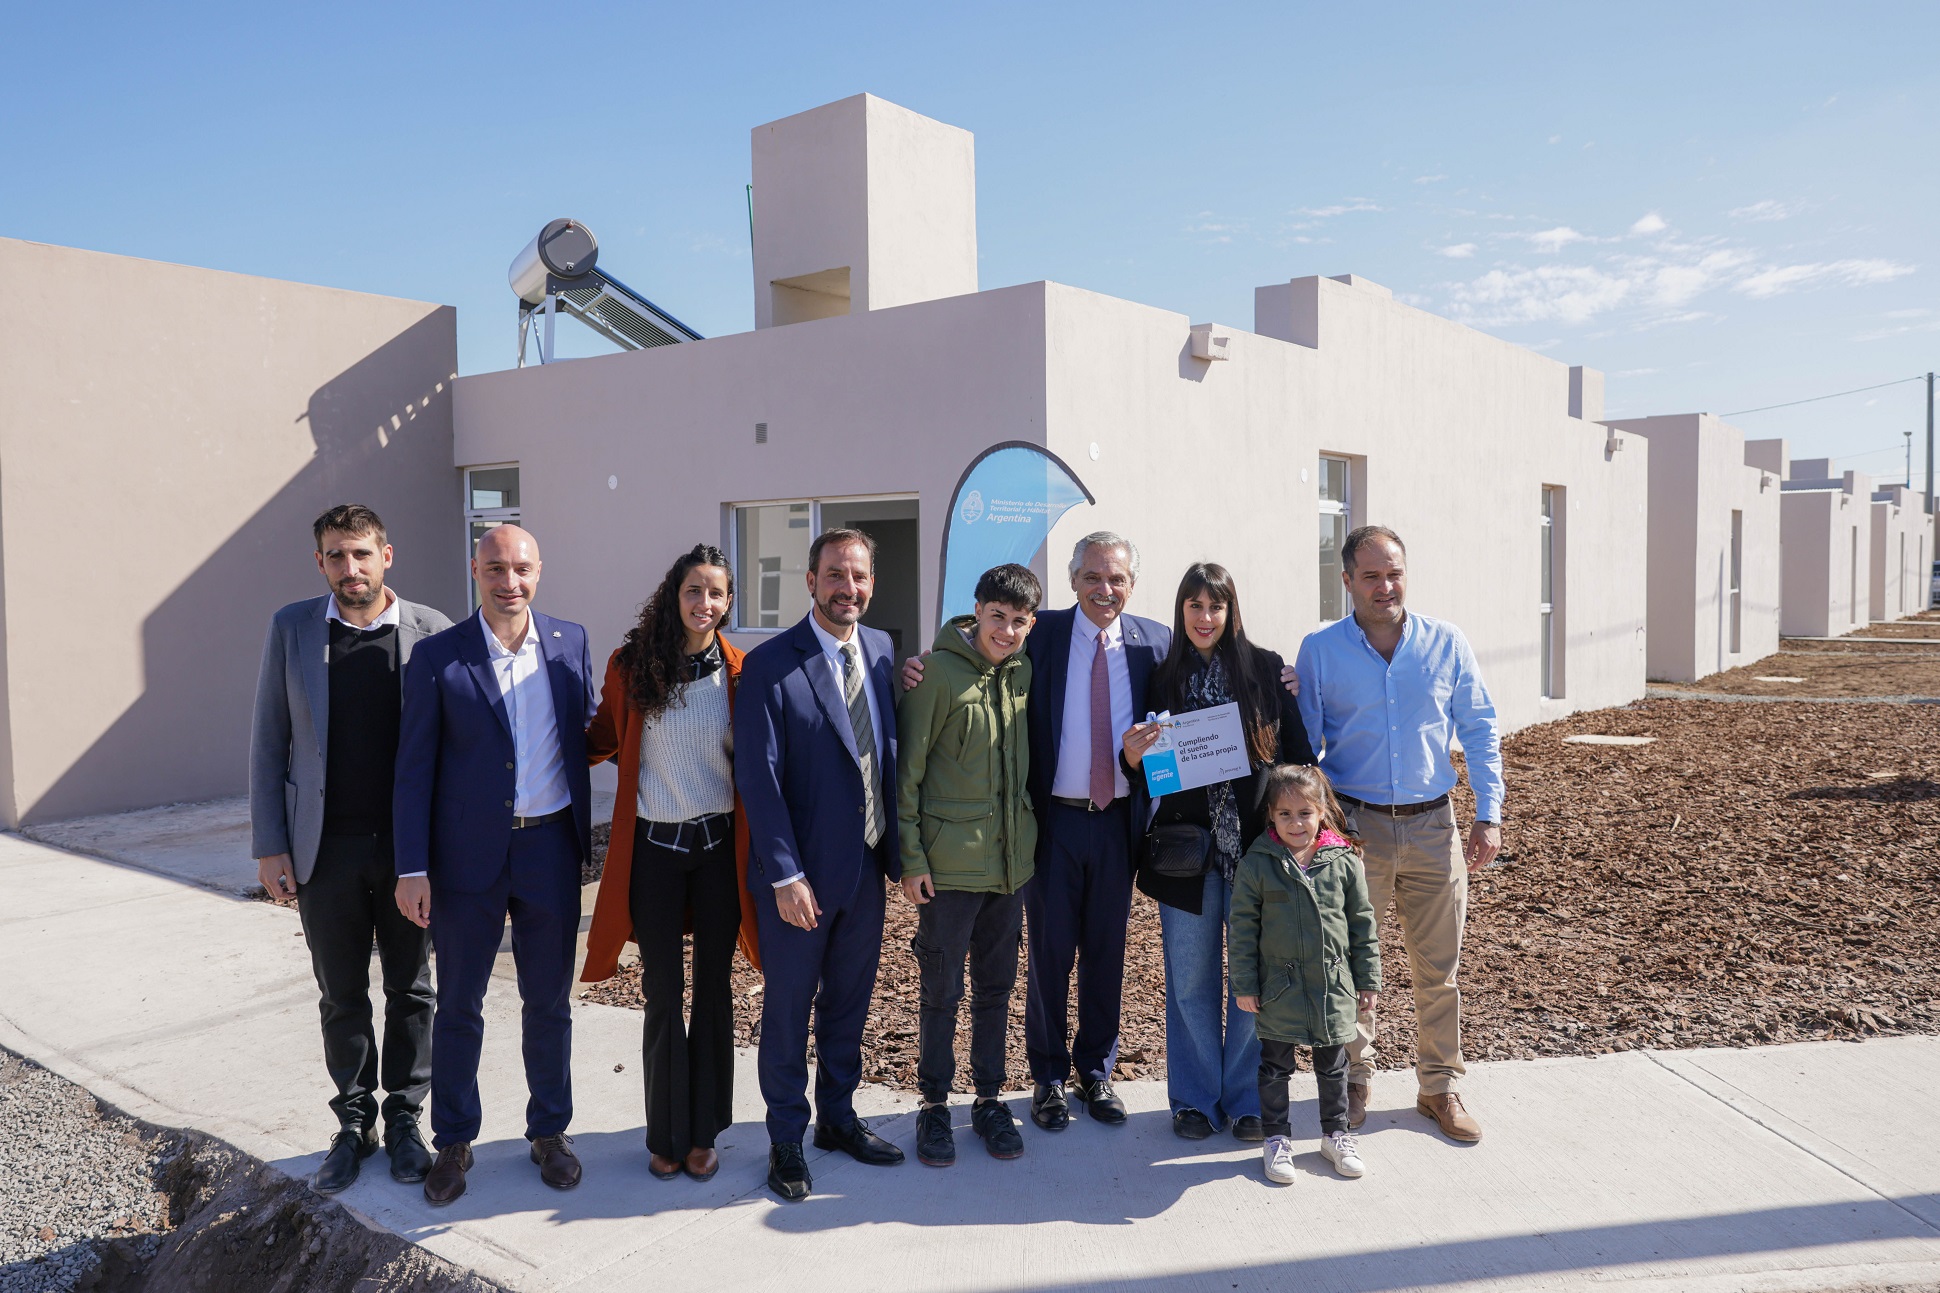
[(1304, 958)]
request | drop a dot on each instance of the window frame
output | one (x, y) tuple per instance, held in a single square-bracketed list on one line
[(1343, 507), (732, 544), (488, 516)]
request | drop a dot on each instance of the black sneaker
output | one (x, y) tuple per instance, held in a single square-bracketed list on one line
[(1249, 1128), (1190, 1124), (991, 1119), (1048, 1109), (936, 1144)]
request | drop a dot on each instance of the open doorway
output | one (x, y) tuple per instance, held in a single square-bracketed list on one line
[(896, 607)]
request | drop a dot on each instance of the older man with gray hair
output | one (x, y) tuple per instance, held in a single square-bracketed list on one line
[(1091, 665)]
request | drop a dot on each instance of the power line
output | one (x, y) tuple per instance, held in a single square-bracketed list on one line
[(1899, 381)]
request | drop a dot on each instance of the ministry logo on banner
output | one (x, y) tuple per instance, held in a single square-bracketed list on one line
[(1002, 510)]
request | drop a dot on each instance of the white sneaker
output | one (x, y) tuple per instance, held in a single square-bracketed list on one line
[(1343, 1150), (1278, 1157)]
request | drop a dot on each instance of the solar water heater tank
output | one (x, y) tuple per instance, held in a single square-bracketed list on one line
[(563, 249)]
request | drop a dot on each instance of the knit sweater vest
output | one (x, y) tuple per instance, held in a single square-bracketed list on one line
[(686, 755)]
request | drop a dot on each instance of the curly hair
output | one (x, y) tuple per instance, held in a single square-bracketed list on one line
[(654, 653)]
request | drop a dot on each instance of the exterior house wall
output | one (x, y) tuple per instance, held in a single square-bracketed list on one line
[(160, 467), (1699, 478), (1901, 561), (1827, 550)]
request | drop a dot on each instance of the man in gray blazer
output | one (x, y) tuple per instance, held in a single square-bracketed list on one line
[(321, 761)]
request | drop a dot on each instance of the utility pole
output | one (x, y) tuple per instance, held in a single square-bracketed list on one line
[(1929, 444)]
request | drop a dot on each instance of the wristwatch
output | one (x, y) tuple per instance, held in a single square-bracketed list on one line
[(1482, 822)]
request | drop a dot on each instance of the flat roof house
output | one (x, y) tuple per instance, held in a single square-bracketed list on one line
[(878, 369), (1713, 540), (1826, 541), (1902, 553)]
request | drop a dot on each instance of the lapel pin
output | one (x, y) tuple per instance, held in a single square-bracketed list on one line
[(555, 632)]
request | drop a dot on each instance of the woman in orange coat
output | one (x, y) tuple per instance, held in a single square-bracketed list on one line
[(678, 856)]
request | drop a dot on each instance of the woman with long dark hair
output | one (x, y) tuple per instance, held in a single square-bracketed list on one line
[(678, 852), (1212, 1055)]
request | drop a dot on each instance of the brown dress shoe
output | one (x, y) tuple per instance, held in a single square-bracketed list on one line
[(702, 1164), (1447, 1111), (663, 1168), (557, 1165), (1356, 1105), (446, 1179)]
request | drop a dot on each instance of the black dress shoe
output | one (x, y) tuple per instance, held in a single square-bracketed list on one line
[(558, 1165), (1190, 1124), (1105, 1105), (991, 1120), (348, 1150), (410, 1160), (1048, 1109), (788, 1172), (1249, 1128), (936, 1143), (858, 1142)]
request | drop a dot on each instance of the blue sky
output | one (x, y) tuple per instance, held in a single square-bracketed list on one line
[(1720, 205)]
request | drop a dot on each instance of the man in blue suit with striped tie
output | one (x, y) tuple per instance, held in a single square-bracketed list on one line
[(815, 764)]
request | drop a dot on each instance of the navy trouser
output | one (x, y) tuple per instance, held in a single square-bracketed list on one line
[(830, 971), (1076, 907), (539, 887)]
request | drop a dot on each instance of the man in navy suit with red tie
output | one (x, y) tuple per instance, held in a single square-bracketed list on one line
[(492, 815), (815, 764)]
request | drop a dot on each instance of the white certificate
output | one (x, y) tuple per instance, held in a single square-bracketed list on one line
[(1196, 750)]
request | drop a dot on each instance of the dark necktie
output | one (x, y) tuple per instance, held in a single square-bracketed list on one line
[(865, 741)]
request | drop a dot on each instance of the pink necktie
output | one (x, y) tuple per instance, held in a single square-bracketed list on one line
[(1101, 751)]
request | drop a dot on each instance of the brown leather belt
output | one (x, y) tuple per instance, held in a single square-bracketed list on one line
[(520, 823), (1395, 810)]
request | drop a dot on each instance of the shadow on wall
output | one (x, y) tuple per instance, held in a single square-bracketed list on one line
[(382, 434)]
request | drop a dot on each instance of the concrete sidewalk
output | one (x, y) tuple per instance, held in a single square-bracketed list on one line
[(1801, 1167)]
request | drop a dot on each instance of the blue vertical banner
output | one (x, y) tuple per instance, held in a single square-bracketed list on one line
[(1004, 506)]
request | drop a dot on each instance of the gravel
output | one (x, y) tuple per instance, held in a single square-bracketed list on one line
[(71, 1175)]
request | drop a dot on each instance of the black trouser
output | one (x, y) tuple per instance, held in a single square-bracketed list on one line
[(350, 900), (1330, 1072), (689, 1064), (986, 927)]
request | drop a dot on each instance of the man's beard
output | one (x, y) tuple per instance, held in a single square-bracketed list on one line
[(372, 591)]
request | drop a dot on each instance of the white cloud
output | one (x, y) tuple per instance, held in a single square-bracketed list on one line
[(1344, 208), (1460, 251), (1429, 179), (1556, 239), (1555, 139), (1633, 372), (1210, 228), (1918, 312), (1548, 293), (1780, 279), (1650, 222), (1768, 210)]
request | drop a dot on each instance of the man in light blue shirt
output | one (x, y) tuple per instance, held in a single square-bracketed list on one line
[(1384, 694)]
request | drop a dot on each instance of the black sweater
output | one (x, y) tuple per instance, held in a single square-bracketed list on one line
[(365, 703), (1187, 893)]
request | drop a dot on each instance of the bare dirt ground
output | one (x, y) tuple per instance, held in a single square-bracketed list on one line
[(1758, 873)]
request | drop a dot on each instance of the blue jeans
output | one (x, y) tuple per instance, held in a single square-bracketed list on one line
[(1210, 1068)]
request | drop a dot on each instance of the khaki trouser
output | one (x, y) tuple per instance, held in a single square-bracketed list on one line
[(1417, 861)]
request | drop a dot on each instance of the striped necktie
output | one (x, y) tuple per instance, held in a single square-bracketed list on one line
[(865, 741)]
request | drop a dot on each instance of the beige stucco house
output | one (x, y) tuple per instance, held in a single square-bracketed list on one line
[(1713, 540)]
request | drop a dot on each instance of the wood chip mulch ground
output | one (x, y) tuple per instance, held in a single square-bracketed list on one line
[(1760, 872)]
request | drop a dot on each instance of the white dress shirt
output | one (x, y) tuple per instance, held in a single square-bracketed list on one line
[(1072, 779), (389, 619), (539, 783), (832, 653)]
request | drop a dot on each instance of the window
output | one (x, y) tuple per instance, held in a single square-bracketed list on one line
[(1737, 581), (771, 554), (1335, 478), (1550, 641), (491, 499), (768, 544)]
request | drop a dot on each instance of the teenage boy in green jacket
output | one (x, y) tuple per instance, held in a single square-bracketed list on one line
[(967, 835)]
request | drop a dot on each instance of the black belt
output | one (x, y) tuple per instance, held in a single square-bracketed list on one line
[(1395, 810), (520, 823), (1082, 805)]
